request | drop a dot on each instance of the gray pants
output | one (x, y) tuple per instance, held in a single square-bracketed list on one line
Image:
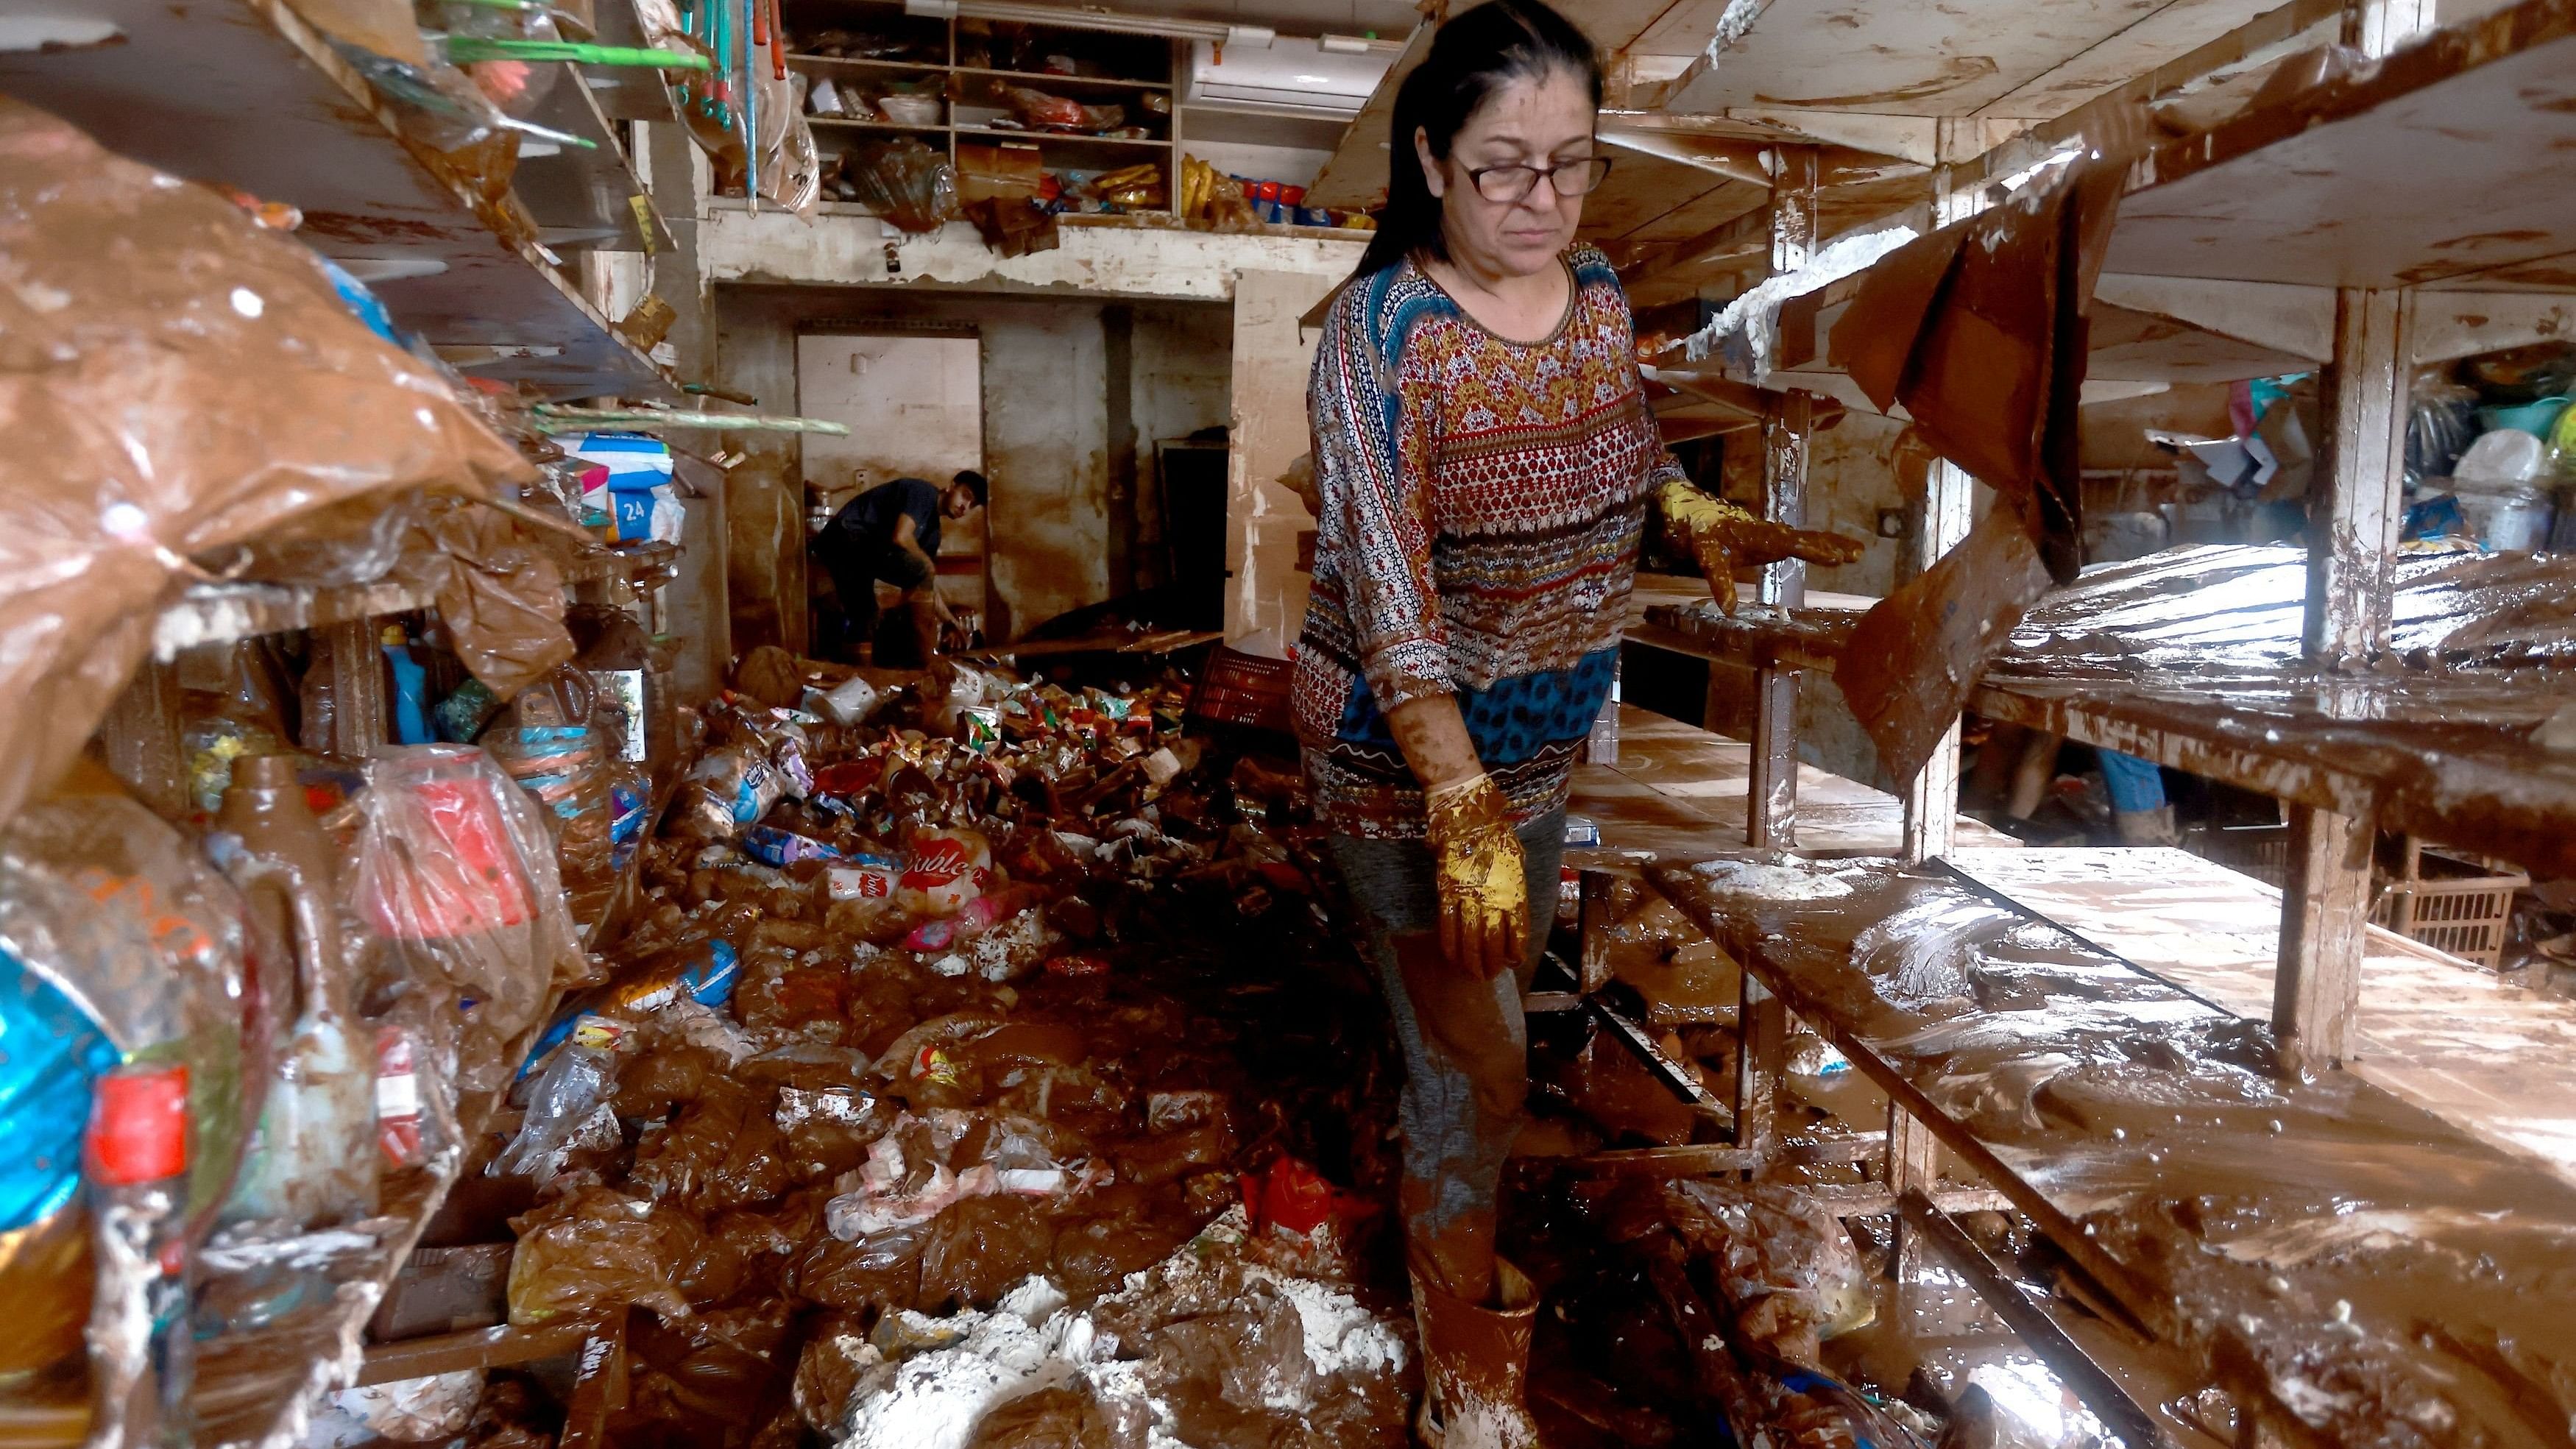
[(1466, 1049)]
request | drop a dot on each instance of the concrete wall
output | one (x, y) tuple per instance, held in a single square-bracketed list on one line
[(1094, 261), (1061, 443), (1265, 595)]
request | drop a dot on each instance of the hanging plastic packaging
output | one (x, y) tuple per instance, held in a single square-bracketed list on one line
[(455, 871), (116, 950), (200, 383)]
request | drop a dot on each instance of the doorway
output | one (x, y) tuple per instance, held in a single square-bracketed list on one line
[(914, 404)]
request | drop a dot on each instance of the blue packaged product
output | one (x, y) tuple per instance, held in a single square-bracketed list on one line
[(773, 846), (704, 975), (51, 1057)]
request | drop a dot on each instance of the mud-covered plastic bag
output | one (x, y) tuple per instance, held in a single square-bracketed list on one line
[(595, 1249), (183, 381), (454, 869)]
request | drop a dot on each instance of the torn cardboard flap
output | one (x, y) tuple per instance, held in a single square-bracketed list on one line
[(1979, 331), (1918, 652)]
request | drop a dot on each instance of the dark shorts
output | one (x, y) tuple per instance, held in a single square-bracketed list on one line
[(855, 570)]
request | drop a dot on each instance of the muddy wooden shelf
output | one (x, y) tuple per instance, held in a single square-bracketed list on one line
[(2445, 754), (1678, 791), (586, 197), (244, 93), (2449, 167), (2491, 1058), (226, 612), (2278, 1237)]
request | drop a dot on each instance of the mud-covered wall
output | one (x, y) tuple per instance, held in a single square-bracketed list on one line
[(1065, 520)]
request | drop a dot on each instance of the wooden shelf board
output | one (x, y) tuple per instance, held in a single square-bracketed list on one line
[(588, 191), (1060, 139), (1038, 79), (2490, 1058), (628, 93), (2445, 756), (245, 94), (1826, 952), (2450, 163)]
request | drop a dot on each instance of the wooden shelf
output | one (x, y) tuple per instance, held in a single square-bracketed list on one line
[(1059, 138), (797, 58), (244, 93), (1968, 994), (584, 199), (861, 123), (628, 93), (216, 614), (2444, 754), (1040, 80)]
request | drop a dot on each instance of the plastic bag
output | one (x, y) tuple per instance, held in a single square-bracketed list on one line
[(499, 592), (942, 871), (202, 383), (906, 182), (2441, 421), (595, 1249), (728, 789), (455, 871), (1041, 111), (721, 1151), (410, 1410), (564, 1100)]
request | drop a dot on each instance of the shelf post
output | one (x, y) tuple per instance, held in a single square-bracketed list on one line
[(1932, 795), (1771, 801), (2352, 563), (1913, 1164), (360, 717), (1946, 511)]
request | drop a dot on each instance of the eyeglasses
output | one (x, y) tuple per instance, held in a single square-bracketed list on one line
[(1512, 183)]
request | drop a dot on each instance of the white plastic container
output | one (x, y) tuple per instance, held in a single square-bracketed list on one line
[(2504, 517)]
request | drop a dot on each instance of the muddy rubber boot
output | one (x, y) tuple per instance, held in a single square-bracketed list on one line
[(1475, 1363)]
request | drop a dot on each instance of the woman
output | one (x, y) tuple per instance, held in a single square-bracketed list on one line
[(1483, 456)]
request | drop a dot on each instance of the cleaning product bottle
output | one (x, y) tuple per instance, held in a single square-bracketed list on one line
[(316, 1158), (411, 689)]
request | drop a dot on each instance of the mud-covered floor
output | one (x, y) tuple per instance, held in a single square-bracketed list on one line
[(1002, 1076)]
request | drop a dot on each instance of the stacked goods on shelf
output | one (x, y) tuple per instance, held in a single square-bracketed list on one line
[(265, 970), (1220, 201)]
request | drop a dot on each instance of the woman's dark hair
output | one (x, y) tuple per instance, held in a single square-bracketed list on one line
[(1472, 56)]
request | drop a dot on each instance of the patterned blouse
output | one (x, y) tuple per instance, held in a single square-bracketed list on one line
[(1482, 501)]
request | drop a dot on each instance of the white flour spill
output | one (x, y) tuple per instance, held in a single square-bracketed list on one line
[(935, 1396)]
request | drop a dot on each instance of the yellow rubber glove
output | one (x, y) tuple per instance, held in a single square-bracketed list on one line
[(1479, 872), (1724, 537)]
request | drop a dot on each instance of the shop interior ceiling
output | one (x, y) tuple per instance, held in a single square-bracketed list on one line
[(1701, 88)]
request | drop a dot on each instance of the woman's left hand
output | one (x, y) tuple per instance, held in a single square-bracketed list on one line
[(1481, 876)]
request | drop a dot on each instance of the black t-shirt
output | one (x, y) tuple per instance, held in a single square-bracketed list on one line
[(869, 519)]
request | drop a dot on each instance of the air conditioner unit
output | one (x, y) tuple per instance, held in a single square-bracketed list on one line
[(1289, 74)]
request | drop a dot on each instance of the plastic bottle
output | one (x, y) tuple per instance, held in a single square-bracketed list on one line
[(316, 1158), (411, 689), (142, 1349)]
